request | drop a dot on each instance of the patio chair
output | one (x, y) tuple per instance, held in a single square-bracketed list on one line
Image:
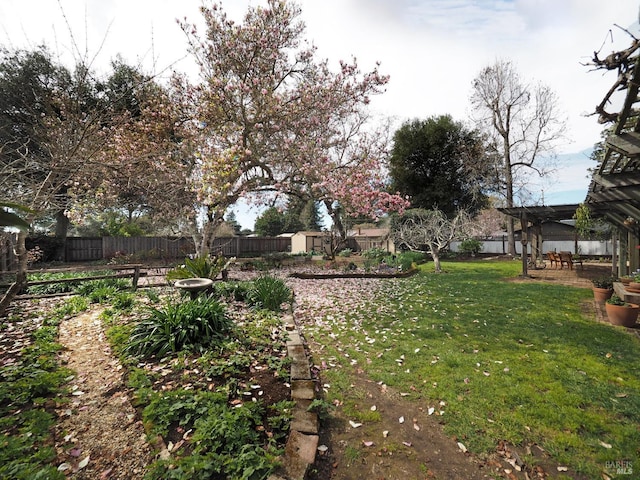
[(554, 259), (567, 257)]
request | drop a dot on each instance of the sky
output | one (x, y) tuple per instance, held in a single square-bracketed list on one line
[(432, 50)]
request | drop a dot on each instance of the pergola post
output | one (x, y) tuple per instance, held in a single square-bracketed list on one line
[(632, 241), (525, 256)]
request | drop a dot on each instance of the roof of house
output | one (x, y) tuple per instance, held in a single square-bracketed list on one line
[(368, 232)]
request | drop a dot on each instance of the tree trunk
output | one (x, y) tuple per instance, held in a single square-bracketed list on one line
[(62, 228), (339, 238), (21, 275), (435, 254), (508, 178)]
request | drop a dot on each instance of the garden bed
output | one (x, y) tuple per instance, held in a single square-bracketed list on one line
[(328, 275)]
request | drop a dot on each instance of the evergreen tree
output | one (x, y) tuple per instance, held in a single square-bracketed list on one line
[(437, 162)]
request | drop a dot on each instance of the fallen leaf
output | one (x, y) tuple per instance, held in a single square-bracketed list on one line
[(106, 474), (367, 444), (385, 433), (64, 466), (462, 447), (373, 408), (416, 427), (605, 445), (322, 448), (401, 420), (354, 424), (83, 463), (406, 444), (431, 410), (562, 469)]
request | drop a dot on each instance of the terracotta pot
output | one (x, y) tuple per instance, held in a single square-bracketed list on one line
[(601, 295), (634, 285), (625, 280), (622, 315)]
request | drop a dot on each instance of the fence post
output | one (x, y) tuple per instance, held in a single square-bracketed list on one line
[(136, 276)]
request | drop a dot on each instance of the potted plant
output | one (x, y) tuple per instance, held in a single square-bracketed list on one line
[(602, 288), (634, 284), (620, 312)]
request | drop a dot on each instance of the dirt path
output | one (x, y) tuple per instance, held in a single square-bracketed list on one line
[(98, 435)]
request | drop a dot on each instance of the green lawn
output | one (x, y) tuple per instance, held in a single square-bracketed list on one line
[(512, 361)]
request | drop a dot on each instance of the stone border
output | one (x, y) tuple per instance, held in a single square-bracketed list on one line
[(300, 450)]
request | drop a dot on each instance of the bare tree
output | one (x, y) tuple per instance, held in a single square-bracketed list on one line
[(429, 231), (525, 125)]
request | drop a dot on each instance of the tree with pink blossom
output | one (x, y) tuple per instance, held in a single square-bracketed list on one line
[(267, 116)]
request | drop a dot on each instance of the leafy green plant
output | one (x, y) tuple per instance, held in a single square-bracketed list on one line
[(180, 407), (232, 290), (470, 246), (60, 287), (100, 290), (604, 282), (268, 292), (226, 441), (616, 300), (345, 252), (321, 407), (408, 260), (123, 301), (375, 254), (152, 295), (200, 267), (192, 325)]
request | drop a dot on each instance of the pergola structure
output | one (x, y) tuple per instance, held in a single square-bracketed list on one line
[(614, 191), (534, 217)]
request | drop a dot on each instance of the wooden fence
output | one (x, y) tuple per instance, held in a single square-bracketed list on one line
[(143, 248), (87, 249)]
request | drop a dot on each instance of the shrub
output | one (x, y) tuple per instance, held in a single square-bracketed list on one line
[(470, 246), (232, 290), (123, 301), (193, 325), (275, 259), (200, 267), (116, 284), (268, 292), (375, 254), (345, 253)]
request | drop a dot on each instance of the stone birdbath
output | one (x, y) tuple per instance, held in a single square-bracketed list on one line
[(193, 285)]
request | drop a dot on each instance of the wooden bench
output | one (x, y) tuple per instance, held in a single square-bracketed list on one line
[(568, 259)]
